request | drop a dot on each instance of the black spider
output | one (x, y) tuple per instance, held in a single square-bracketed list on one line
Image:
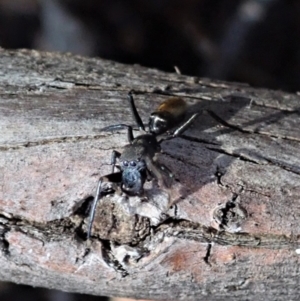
[(137, 163)]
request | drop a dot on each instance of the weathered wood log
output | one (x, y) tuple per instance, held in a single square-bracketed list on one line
[(233, 229)]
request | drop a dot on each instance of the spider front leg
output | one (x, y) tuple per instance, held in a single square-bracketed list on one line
[(120, 126), (135, 113), (115, 179), (114, 155)]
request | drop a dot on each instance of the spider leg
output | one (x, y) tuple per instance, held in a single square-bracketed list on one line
[(93, 209), (114, 155), (112, 178), (120, 126), (135, 113)]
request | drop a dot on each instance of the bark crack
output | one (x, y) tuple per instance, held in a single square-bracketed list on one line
[(195, 231), (67, 139), (170, 227), (232, 154)]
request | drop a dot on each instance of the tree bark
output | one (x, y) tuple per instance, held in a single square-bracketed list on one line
[(233, 228)]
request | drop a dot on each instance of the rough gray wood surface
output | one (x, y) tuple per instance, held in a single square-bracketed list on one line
[(239, 164)]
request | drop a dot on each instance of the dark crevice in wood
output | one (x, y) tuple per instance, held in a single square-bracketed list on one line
[(203, 141), (229, 206), (110, 259), (284, 166), (239, 156), (219, 175), (4, 244), (73, 139), (279, 109), (208, 253), (194, 231)]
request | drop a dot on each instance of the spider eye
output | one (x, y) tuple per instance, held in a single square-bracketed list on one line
[(125, 163), (132, 163)]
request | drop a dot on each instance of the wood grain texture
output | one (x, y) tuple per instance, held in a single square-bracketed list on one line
[(241, 152)]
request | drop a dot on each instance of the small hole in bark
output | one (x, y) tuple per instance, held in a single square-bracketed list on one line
[(80, 234), (230, 216)]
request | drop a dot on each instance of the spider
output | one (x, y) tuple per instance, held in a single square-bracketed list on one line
[(137, 163)]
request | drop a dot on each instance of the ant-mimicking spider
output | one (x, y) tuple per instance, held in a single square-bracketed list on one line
[(137, 162)]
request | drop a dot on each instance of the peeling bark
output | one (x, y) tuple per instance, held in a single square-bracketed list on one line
[(233, 229)]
